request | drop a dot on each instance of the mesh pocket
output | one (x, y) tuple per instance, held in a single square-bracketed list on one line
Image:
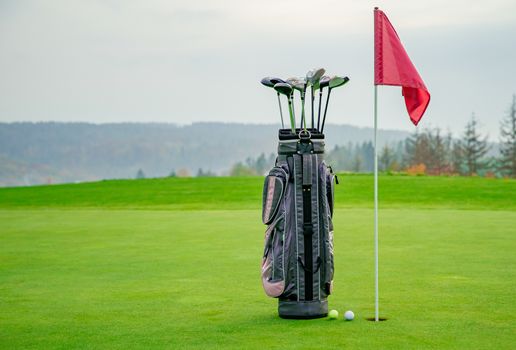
[(273, 190), (273, 261)]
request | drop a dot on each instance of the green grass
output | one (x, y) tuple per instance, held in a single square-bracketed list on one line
[(118, 265), (245, 193)]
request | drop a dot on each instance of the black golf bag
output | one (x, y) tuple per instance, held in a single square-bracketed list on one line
[(298, 199)]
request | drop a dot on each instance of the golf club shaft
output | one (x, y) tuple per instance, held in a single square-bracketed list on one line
[(319, 113), (325, 110), (303, 119), (303, 116), (293, 109), (313, 98), (281, 112), (292, 120)]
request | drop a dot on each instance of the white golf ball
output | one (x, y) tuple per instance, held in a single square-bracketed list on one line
[(349, 315)]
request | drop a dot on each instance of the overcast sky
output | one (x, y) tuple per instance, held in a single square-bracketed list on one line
[(188, 61)]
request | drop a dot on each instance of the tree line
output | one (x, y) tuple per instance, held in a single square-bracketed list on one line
[(429, 152), (433, 152)]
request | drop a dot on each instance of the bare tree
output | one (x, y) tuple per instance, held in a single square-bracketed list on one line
[(439, 148), (457, 157), (508, 141)]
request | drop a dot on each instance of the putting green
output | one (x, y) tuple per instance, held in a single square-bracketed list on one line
[(94, 272)]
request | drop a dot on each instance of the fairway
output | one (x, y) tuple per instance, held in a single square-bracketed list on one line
[(175, 263)]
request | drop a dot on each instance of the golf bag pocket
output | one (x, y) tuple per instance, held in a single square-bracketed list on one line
[(331, 180), (328, 263), (328, 181), (273, 190), (273, 261)]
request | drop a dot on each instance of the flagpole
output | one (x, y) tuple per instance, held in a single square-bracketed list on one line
[(401, 72), (376, 289), (376, 298)]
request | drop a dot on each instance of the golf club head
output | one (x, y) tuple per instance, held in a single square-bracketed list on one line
[(337, 81), (283, 88), (271, 81), (318, 73), (298, 84), (324, 81), (315, 76), (308, 77)]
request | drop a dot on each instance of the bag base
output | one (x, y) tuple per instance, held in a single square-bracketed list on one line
[(303, 309)]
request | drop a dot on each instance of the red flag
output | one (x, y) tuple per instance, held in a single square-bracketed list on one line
[(392, 66)]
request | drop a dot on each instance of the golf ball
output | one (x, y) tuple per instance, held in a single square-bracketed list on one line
[(333, 314), (349, 315)]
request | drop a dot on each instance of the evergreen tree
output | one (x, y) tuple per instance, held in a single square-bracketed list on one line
[(357, 163), (202, 173), (261, 164), (272, 160), (399, 156), (410, 149), (140, 174), (508, 141), (367, 156), (386, 158), (474, 147)]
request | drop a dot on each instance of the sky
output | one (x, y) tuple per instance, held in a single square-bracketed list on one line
[(201, 60)]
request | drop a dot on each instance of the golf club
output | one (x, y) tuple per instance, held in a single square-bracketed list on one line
[(300, 85), (293, 104), (325, 80), (334, 82), (313, 78), (286, 89), (270, 82), (292, 81)]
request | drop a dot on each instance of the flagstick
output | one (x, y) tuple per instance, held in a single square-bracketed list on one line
[(376, 303)]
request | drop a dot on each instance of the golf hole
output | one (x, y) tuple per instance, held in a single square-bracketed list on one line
[(379, 319)]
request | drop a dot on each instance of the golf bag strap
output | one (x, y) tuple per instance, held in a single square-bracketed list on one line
[(307, 195), (307, 166), (307, 170)]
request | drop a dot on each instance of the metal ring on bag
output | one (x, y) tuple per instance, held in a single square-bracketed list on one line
[(306, 132)]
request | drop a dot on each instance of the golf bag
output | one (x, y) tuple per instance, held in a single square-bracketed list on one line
[(298, 199)]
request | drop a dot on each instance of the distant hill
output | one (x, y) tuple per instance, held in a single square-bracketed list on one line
[(49, 152)]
